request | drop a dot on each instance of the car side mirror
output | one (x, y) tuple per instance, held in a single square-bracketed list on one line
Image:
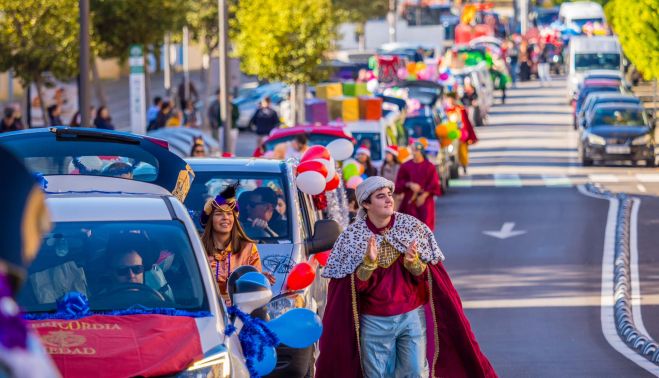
[(325, 233)]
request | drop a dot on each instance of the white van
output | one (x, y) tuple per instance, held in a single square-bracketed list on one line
[(590, 53), (578, 13)]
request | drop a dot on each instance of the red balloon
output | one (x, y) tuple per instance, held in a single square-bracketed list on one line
[(316, 152), (301, 276), (333, 183), (322, 257), (312, 165)]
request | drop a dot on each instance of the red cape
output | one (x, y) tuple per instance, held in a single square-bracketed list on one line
[(459, 354), (468, 134)]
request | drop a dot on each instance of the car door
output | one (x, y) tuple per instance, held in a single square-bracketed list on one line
[(57, 151)]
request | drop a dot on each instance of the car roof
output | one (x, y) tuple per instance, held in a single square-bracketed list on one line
[(237, 165), (618, 105), (100, 184), (601, 83), (603, 72), (284, 132), (616, 95), (97, 206)]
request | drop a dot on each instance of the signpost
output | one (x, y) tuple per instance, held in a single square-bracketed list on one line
[(137, 95)]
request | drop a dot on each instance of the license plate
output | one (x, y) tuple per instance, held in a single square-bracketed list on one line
[(618, 149)]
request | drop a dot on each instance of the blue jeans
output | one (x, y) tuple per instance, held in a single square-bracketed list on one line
[(394, 346)]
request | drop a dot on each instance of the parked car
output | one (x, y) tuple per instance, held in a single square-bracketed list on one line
[(377, 135), (249, 102), (299, 232), (598, 98), (317, 135), (593, 86), (590, 53), (616, 132), (121, 285)]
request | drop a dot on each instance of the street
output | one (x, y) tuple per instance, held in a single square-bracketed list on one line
[(532, 285)]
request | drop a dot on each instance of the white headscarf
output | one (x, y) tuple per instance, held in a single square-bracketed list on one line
[(368, 187)]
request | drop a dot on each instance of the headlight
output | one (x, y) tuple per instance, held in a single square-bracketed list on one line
[(555, 58), (282, 304), (214, 366), (596, 140), (644, 139)]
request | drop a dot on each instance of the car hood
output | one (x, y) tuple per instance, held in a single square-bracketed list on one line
[(278, 259), (619, 131), (127, 345)]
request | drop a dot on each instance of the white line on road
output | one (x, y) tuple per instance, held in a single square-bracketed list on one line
[(633, 262), (503, 179), (603, 178), (554, 180), (647, 177), (606, 308), (641, 188)]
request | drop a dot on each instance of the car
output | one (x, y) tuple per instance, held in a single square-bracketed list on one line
[(587, 54), (376, 135), (300, 231), (249, 102), (316, 135), (616, 132), (121, 284), (593, 86), (597, 98)]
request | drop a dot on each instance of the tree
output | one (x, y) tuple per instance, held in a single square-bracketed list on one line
[(637, 25), (39, 37), (284, 40), (359, 12)]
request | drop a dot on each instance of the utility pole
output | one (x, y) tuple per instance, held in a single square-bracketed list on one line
[(168, 65), (391, 18), (225, 105), (83, 89), (186, 64)]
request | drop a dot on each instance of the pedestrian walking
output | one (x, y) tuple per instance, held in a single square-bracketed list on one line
[(391, 308), (192, 92), (103, 119), (226, 243), (512, 58), (543, 65), (457, 113), (153, 110), (54, 115), (418, 183), (11, 120), (163, 116), (264, 120)]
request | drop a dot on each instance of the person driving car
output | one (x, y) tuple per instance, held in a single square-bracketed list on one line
[(260, 219), (128, 267)]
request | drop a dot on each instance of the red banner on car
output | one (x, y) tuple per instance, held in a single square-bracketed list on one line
[(121, 346)]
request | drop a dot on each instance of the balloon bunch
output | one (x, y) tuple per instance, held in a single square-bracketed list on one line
[(447, 132), (352, 173), (316, 172)]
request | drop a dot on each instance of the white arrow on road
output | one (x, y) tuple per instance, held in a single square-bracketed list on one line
[(505, 232)]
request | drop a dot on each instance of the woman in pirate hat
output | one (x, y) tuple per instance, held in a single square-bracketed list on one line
[(227, 246)]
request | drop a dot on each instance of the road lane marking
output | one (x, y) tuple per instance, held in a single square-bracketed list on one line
[(506, 179), (460, 183), (505, 232), (603, 178), (554, 180), (606, 308), (641, 188), (571, 301), (635, 276), (643, 177)]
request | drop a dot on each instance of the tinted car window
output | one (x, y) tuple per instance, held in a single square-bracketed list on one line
[(618, 117), (418, 127), (372, 140), (592, 61), (117, 265), (260, 196)]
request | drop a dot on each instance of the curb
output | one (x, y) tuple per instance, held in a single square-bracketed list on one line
[(622, 308)]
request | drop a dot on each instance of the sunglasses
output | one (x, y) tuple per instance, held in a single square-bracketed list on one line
[(199, 151), (126, 270)]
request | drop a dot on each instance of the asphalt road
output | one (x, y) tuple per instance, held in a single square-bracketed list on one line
[(534, 299)]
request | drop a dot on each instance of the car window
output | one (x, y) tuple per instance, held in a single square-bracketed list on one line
[(591, 61), (618, 117), (373, 141), (261, 196), (116, 265), (419, 127)]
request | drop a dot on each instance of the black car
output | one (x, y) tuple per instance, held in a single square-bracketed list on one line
[(616, 132), (599, 98), (584, 92)]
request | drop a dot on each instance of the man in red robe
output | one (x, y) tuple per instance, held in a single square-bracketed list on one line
[(418, 182), (391, 307)]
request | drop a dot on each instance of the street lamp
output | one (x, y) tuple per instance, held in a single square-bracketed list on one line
[(83, 89), (225, 106)]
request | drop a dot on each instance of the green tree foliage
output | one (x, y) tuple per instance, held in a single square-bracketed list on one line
[(120, 23), (283, 40), (360, 11), (38, 36), (637, 25)]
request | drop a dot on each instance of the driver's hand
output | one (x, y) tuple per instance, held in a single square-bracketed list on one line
[(260, 223)]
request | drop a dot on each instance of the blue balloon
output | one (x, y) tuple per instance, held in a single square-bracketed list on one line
[(268, 363), (297, 328)]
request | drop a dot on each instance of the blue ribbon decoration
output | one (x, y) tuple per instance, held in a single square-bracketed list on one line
[(41, 180), (74, 304), (254, 337)]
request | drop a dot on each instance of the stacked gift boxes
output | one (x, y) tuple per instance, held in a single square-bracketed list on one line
[(348, 102)]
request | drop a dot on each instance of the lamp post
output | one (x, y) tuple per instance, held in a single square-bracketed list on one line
[(83, 89), (225, 105)]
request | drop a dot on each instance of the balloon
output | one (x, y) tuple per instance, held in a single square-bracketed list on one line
[(330, 165), (341, 149), (312, 166), (452, 125), (443, 76), (442, 130), (350, 171), (402, 73), (445, 142), (268, 363), (301, 276), (322, 257), (310, 182), (316, 152), (354, 182), (362, 169), (453, 134), (333, 183), (297, 328)]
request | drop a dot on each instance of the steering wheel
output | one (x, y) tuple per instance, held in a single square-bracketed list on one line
[(147, 293)]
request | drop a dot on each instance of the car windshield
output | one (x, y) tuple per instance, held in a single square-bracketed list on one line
[(546, 18), (418, 127), (618, 117), (371, 140), (580, 22), (593, 61), (117, 266), (313, 140), (261, 196)]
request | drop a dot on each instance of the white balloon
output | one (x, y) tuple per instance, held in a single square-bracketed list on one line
[(372, 85), (341, 148), (310, 182), (331, 168)]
